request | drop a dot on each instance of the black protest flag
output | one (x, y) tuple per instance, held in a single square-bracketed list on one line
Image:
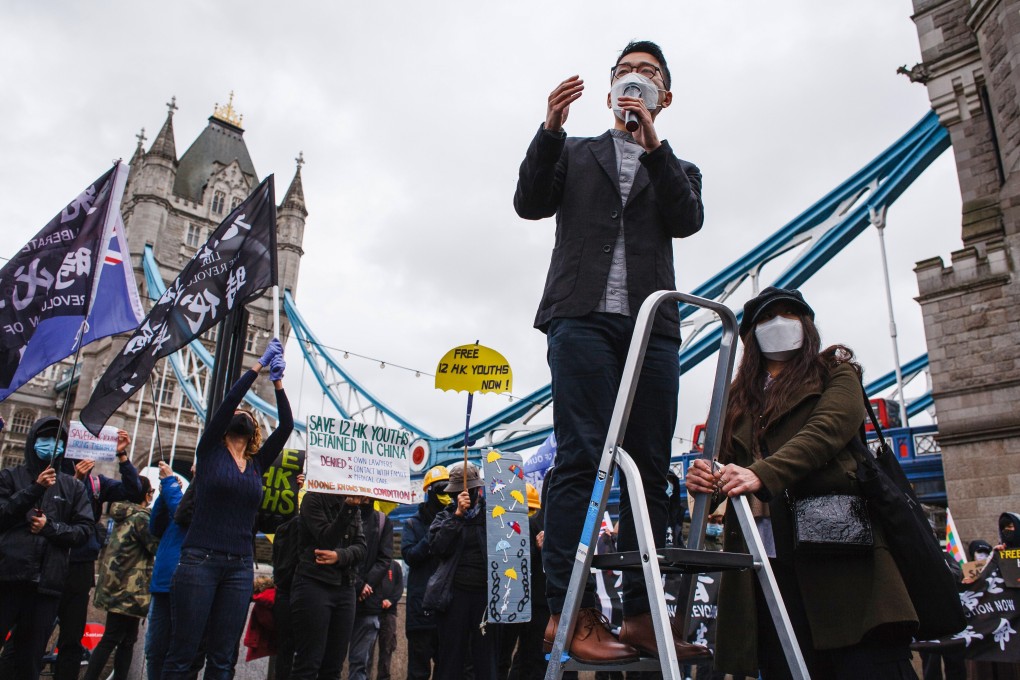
[(234, 266), (46, 289), (992, 607)]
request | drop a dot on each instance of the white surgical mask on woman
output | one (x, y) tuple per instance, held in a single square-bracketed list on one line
[(780, 337)]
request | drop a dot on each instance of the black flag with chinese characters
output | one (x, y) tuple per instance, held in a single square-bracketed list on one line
[(992, 606), (234, 266), (46, 289)]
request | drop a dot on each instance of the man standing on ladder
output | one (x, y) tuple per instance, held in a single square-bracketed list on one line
[(619, 201)]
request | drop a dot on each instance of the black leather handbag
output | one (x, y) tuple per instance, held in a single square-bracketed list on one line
[(833, 524)]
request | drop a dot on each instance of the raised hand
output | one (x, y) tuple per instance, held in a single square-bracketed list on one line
[(560, 100), (276, 368), (164, 470), (273, 350), (47, 478), (82, 468)]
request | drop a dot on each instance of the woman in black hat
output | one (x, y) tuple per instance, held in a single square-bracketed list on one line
[(793, 410)]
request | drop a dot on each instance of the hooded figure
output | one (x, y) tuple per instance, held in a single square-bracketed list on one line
[(43, 514), (1009, 529), (979, 550)]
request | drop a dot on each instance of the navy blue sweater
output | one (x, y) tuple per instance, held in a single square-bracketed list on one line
[(226, 499)]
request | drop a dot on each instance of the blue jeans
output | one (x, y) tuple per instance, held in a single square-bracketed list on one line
[(366, 629), (157, 635), (586, 357), (211, 589)]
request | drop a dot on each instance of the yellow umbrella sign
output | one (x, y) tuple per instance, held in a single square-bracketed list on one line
[(474, 368)]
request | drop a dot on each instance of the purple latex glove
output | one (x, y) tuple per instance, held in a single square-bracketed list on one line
[(277, 367), (273, 350)]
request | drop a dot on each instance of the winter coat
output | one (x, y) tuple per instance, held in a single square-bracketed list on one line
[(445, 540), (162, 523), (378, 549), (328, 523), (421, 564), (125, 568), (101, 490), (40, 558), (844, 597), (261, 637), (391, 588)]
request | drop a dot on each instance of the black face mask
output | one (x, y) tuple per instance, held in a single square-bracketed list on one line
[(241, 425), (473, 493)]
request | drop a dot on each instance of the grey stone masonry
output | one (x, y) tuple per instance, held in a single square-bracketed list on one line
[(971, 308)]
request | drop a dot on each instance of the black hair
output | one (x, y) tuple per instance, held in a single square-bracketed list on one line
[(146, 486), (651, 48)]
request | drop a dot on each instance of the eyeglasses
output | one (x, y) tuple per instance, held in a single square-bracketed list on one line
[(644, 68)]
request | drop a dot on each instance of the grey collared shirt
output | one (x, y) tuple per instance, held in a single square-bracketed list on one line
[(614, 297)]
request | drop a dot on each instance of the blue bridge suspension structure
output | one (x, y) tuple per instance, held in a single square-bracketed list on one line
[(820, 232)]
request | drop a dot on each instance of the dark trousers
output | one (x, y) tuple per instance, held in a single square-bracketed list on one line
[(586, 357), (23, 606), (284, 634), (387, 643), (323, 618), (120, 635), (529, 661), (157, 639), (422, 649), (210, 590), (74, 607), (462, 638)]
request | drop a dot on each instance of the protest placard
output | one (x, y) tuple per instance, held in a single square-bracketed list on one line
[(82, 444), (280, 490), (347, 457)]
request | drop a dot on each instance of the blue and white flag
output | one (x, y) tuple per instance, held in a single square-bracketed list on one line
[(48, 289)]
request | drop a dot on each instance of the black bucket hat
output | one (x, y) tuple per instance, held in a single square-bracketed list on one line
[(754, 307)]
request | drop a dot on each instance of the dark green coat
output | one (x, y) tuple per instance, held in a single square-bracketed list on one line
[(844, 597), (125, 567)]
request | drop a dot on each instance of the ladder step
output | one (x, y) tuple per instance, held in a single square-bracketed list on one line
[(645, 663), (678, 560)]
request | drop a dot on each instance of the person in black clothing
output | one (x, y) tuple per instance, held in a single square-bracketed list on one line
[(74, 603), (378, 558), (529, 662), (286, 549), (456, 593), (323, 592), (387, 595), (420, 630), (43, 514)]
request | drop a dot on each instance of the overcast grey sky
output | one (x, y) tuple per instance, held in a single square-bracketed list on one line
[(413, 119)]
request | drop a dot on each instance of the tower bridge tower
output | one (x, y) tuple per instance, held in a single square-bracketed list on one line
[(172, 205), (970, 51)]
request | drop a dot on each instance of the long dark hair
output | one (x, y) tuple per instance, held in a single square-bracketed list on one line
[(810, 367)]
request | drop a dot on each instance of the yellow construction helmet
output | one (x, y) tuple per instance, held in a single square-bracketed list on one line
[(534, 500), (437, 474)]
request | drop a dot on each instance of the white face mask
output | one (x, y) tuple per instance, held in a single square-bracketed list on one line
[(648, 91), (779, 338)]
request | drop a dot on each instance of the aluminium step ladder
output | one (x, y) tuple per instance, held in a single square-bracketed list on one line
[(687, 560)]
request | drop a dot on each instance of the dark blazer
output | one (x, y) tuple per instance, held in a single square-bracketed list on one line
[(576, 179)]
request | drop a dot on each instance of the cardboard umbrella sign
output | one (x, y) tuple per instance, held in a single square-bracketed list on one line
[(508, 541), (473, 368)]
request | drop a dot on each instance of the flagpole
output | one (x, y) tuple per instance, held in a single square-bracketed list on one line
[(138, 417), (67, 395), (177, 425), (276, 312), (157, 405)]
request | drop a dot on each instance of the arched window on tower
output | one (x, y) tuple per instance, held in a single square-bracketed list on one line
[(234, 202), (218, 201)]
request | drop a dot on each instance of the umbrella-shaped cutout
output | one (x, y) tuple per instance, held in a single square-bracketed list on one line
[(516, 470), (498, 513), (497, 487), (504, 546), (511, 573), (518, 498), (494, 457), (515, 528)]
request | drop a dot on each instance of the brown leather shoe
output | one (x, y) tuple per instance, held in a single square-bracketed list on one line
[(593, 641), (639, 632)]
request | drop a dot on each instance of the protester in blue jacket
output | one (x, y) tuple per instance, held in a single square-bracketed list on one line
[(163, 525)]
